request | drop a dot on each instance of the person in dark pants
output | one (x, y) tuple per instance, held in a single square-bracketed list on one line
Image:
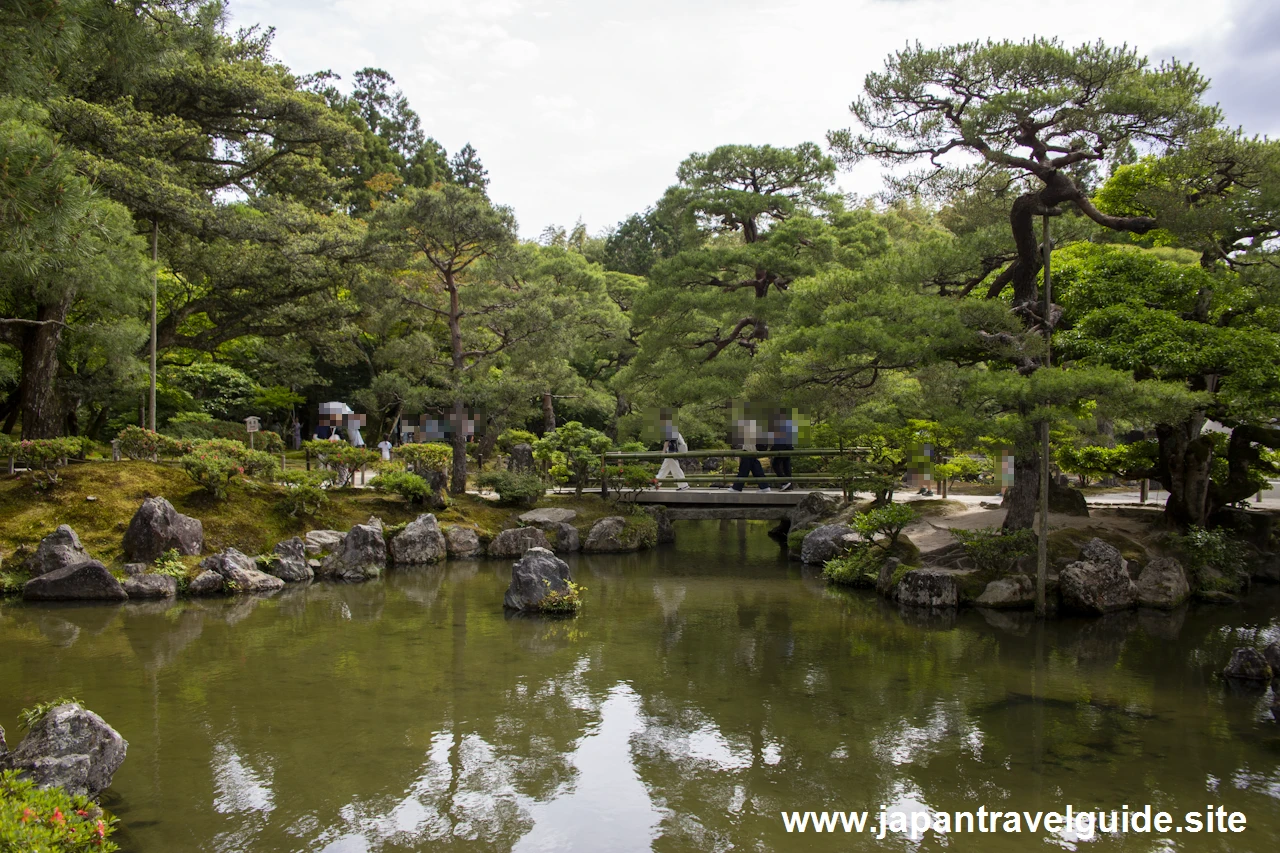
[(749, 466), (783, 440)]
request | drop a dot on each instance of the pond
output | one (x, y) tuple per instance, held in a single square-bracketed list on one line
[(705, 689)]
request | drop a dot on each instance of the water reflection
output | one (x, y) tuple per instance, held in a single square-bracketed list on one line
[(701, 692)]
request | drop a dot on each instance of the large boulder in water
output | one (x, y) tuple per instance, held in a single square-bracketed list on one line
[(289, 561), (207, 583), (610, 535), (323, 541), (151, 586), (567, 539), (463, 543), (928, 588), (1272, 656), (69, 748), (534, 575), (666, 530), (813, 508), (156, 528), (59, 549), (514, 542), (1012, 592), (1163, 584), (419, 543), (240, 572), (1095, 589), (1248, 665), (362, 556), (87, 581), (1102, 553), (826, 543)]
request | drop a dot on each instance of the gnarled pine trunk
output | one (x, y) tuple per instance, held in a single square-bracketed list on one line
[(41, 408), (1186, 460), (1021, 499)]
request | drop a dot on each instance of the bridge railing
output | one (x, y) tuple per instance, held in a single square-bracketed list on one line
[(612, 459)]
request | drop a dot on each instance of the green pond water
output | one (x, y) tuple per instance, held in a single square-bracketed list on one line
[(705, 689)]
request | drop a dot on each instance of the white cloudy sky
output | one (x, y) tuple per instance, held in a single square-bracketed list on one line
[(584, 108)]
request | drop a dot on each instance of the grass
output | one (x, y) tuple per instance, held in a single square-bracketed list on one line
[(250, 519), (1065, 543)]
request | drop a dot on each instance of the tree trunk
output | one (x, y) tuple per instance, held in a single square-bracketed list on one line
[(41, 412), (1186, 460), (1024, 494), (458, 478), (548, 413)]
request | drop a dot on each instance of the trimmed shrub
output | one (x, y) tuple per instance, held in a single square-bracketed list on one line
[(513, 489), (425, 459), (886, 521), (340, 460), (139, 443), (994, 549), (304, 493)]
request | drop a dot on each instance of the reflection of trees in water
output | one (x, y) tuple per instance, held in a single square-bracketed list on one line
[(429, 719)]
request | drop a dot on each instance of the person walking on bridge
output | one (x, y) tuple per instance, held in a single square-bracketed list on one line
[(673, 442), (749, 466)]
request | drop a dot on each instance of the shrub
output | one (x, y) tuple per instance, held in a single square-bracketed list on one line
[(886, 521), (304, 493), (170, 563), (139, 443), (993, 549), (45, 455), (340, 460), (631, 479), (1211, 549), (511, 437), (50, 820), (409, 486), (260, 464), (424, 459), (513, 489), (212, 471), (581, 447), (568, 601), (858, 568), (198, 425)]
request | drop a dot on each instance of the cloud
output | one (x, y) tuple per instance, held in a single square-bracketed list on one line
[(1242, 57)]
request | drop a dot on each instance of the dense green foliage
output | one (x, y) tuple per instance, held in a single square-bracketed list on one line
[(49, 820)]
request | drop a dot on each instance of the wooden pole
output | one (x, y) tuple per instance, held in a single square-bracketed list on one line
[(1042, 551)]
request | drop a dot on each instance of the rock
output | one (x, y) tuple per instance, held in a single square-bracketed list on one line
[(132, 569), (1272, 656), (289, 561), (1266, 568), (362, 556), (884, 583), (323, 541), (206, 583), (156, 528), (1216, 596), (928, 588), (4, 749), (87, 581), (240, 572), (514, 542), (567, 539), (1101, 553), (813, 508), (463, 543), (1012, 592), (521, 459), (1248, 525), (59, 549), (151, 586), (70, 748), (1067, 501), (666, 530), (548, 517), (1163, 584), (1091, 588), (420, 542), (1248, 665), (606, 537), (826, 543), (534, 575), (375, 523)]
